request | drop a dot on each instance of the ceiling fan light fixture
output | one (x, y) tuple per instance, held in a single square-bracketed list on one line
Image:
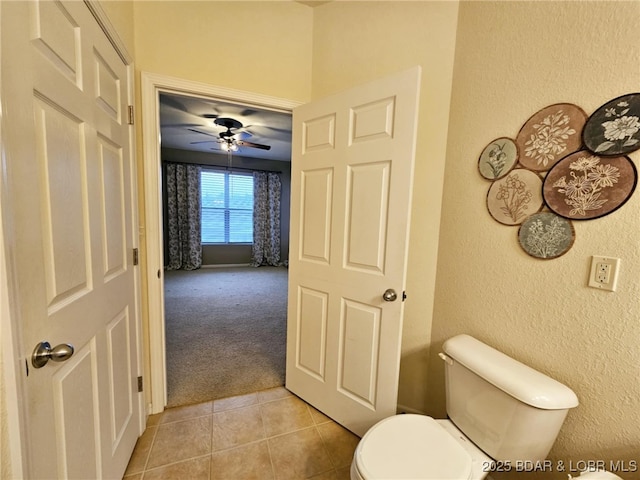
[(229, 145)]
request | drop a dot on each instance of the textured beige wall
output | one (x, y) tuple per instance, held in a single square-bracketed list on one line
[(512, 59), (355, 42), (120, 13), (256, 46)]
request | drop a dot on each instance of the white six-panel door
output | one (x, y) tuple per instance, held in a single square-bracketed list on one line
[(72, 203), (352, 175)]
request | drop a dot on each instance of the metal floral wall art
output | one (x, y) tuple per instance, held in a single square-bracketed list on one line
[(549, 135), (584, 186), (546, 235), (614, 128), (498, 158), (511, 199), (571, 163)]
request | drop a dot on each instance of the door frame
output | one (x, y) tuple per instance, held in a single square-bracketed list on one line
[(152, 85), (13, 360)]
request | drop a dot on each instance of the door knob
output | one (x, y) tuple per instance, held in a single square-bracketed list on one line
[(389, 295), (43, 353)]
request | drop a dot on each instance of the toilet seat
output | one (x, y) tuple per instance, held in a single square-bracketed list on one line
[(411, 447)]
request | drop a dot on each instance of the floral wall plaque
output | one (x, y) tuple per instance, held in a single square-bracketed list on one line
[(573, 164), (546, 235), (512, 198), (498, 158), (614, 128), (584, 186), (552, 133)]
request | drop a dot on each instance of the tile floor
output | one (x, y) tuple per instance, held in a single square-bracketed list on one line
[(270, 434)]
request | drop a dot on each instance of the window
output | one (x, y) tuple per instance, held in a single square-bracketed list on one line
[(227, 207)]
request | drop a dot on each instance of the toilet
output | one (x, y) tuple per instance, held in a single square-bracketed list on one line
[(502, 416)]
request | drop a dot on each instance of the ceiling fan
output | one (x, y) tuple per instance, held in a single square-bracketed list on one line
[(227, 139)]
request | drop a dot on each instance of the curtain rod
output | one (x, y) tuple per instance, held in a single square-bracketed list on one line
[(224, 167), (217, 167)]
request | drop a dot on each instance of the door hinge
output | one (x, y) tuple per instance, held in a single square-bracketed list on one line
[(140, 384), (136, 257), (130, 115)]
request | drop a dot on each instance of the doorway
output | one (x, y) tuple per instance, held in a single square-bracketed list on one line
[(152, 87)]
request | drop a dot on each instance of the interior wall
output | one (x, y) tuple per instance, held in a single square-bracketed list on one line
[(255, 46), (120, 13), (513, 59), (356, 42), (213, 255)]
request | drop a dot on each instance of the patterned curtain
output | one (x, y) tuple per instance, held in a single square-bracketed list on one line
[(183, 216), (266, 219)]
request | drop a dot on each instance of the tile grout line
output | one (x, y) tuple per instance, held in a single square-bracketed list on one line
[(146, 460), (177, 462)]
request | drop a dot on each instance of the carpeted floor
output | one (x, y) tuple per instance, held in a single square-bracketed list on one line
[(225, 332)]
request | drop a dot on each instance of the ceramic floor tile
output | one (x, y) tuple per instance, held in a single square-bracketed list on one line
[(343, 473), (339, 442), (236, 427), (330, 475), (318, 416), (195, 469), (177, 414), (153, 420), (299, 455), (235, 402), (273, 394), (135, 476), (266, 435), (138, 459), (285, 415), (338, 474), (180, 441), (249, 462)]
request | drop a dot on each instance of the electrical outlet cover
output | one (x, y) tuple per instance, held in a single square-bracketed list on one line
[(604, 273)]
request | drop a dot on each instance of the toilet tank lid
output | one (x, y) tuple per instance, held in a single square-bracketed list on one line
[(517, 379)]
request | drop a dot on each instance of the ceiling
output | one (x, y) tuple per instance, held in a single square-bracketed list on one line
[(187, 123)]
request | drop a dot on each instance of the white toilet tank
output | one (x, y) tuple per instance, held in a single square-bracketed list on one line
[(509, 410)]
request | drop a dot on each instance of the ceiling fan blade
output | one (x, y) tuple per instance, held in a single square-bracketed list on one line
[(181, 125), (242, 143), (267, 127), (202, 133), (204, 141)]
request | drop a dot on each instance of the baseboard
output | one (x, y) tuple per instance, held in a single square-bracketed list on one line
[(226, 265), (405, 409)]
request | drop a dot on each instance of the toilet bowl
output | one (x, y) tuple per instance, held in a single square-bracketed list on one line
[(499, 412), (418, 447)]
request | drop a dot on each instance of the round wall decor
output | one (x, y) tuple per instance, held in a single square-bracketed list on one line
[(614, 128), (512, 198), (584, 186), (550, 134), (498, 158), (546, 235)]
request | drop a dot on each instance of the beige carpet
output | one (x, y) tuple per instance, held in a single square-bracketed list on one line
[(225, 332)]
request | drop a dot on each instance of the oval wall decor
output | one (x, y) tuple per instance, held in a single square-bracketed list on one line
[(514, 197), (584, 186), (546, 235), (498, 158), (614, 128), (550, 134)]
